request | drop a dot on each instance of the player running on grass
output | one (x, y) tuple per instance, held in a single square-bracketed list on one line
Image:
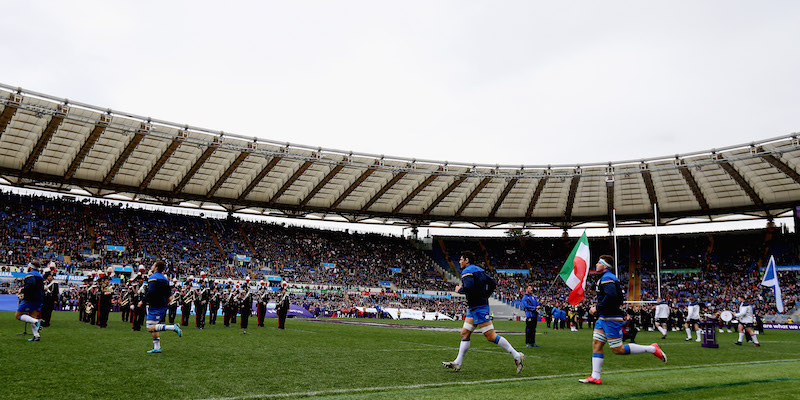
[(478, 286), (32, 297), (158, 297), (609, 322)]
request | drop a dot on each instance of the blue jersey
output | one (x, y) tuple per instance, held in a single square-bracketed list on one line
[(530, 304), (609, 296), (477, 286), (158, 291), (33, 291)]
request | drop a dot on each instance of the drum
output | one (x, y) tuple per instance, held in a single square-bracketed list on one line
[(726, 316)]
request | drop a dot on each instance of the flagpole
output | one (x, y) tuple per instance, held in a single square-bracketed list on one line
[(614, 232), (658, 257)]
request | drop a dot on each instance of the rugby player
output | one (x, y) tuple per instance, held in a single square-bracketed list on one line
[(746, 319), (693, 319), (32, 298), (158, 297), (662, 316), (608, 327), (477, 287)]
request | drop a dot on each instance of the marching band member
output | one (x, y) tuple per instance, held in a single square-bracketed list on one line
[(50, 297)]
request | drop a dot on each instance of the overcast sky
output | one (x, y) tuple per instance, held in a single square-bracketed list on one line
[(508, 82)]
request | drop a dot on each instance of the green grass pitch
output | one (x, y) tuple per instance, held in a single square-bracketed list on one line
[(317, 359)]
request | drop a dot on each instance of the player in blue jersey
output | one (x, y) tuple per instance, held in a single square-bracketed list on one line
[(608, 328), (477, 287), (157, 298), (531, 305), (32, 297)]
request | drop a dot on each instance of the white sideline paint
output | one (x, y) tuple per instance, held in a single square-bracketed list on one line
[(501, 380)]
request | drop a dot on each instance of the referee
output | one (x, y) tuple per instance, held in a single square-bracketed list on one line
[(531, 306)]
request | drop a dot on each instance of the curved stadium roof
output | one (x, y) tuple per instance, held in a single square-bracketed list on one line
[(55, 144)]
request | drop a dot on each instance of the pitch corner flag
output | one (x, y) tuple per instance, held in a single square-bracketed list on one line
[(771, 280), (575, 270)]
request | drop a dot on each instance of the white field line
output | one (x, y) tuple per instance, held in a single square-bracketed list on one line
[(485, 381)]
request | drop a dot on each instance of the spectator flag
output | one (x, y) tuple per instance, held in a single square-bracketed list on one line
[(771, 280), (575, 270)]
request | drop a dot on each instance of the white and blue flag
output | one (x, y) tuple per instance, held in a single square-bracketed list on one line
[(771, 280)]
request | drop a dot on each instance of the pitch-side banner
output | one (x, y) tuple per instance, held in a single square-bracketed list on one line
[(783, 327), (294, 311)]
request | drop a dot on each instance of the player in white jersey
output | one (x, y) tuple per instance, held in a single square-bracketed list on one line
[(662, 316), (746, 319), (692, 319)]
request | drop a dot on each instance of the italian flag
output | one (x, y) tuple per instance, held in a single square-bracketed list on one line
[(575, 270)]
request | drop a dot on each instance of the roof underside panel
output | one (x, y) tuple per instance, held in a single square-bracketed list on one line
[(630, 192), (591, 198), (672, 191), (209, 171), (236, 183), (272, 182), (771, 185), (305, 182), (21, 134), (65, 143), (143, 157), (515, 205), (450, 204), (484, 199), (718, 187), (552, 203)]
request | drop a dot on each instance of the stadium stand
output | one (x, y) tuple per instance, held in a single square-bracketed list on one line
[(717, 266)]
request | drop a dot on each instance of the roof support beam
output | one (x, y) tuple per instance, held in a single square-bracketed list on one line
[(98, 130), (160, 163), (472, 195), (137, 137), (742, 182), (354, 185), (383, 190), (9, 111), (416, 191), (225, 175), (270, 165), (195, 167), (535, 198), (701, 200), (573, 189), (444, 194), (335, 170), (651, 189), (502, 197), (781, 166), (47, 134), (291, 180)]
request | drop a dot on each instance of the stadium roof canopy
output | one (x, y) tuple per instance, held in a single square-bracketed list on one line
[(59, 145)]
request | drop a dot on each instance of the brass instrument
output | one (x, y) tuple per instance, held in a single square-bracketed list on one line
[(48, 288)]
